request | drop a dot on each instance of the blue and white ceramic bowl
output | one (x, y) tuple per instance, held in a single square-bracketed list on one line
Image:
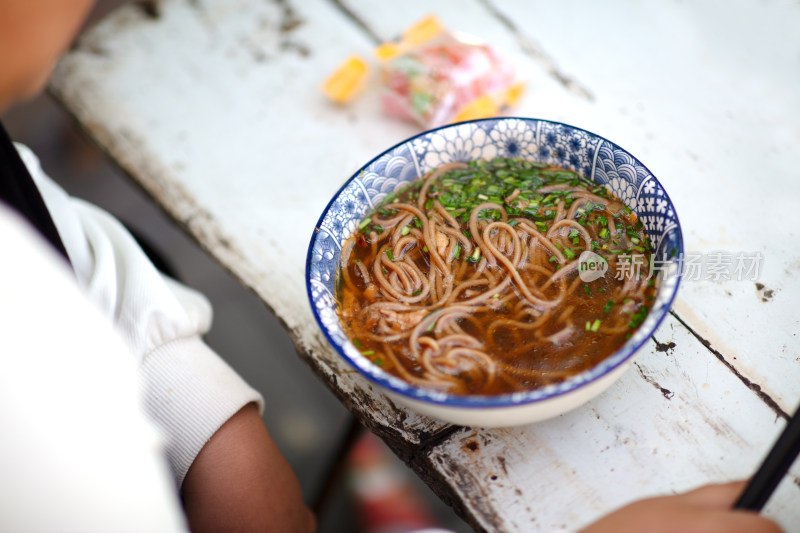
[(595, 157)]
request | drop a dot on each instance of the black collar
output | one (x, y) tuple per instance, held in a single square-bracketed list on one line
[(18, 190)]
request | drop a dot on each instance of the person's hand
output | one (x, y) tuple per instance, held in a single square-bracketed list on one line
[(703, 510)]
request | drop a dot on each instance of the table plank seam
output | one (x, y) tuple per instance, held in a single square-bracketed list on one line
[(535, 52), (358, 21), (755, 387)]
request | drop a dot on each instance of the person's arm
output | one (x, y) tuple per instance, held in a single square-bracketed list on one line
[(241, 483), (703, 510)]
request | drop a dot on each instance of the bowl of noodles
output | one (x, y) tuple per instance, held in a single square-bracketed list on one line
[(495, 272)]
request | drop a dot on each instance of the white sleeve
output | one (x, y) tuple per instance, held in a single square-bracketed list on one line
[(188, 389), (76, 450)]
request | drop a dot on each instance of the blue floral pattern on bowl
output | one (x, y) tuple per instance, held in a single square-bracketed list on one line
[(593, 156)]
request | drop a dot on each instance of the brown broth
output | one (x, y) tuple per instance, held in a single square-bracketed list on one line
[(528, 346)]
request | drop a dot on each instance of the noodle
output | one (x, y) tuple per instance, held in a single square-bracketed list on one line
[(467, 281)]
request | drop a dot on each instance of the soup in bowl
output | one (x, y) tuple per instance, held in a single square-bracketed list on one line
[(495, 272)]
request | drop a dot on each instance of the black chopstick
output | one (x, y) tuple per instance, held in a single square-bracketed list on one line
[(772, 470)]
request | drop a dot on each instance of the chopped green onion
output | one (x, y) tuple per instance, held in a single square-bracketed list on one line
[(586, 290), (596, 325), (603, 234), (364, 223), (368, 352), (638, 317), (405, 230), (608, 306), (390, 197), (389, 254)]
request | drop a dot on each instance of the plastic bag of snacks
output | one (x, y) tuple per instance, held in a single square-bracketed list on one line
[(433, 77)]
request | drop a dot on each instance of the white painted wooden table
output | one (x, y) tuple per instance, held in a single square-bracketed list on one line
[(213, 106)]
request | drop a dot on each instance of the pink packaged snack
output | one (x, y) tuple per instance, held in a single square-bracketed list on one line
[(434, 77)]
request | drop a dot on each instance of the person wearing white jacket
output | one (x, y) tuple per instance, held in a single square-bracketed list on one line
[(76, 450), (84, 411)]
